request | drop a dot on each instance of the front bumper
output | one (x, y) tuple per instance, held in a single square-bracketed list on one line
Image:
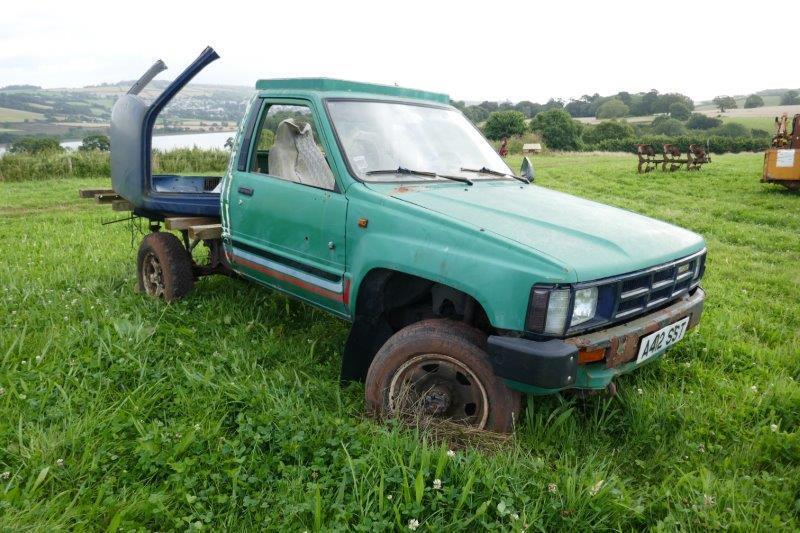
[(545, 367)]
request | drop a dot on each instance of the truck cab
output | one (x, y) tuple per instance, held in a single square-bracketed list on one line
[(466, 285)]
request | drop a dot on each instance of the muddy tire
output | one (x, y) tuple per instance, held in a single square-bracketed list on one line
[(436, 369), (164, 267)]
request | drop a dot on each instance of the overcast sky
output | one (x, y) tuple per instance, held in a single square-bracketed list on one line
[(472, 50)]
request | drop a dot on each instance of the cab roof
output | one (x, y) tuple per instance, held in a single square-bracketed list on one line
[(344, 86)]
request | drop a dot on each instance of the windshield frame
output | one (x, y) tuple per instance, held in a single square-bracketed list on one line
[(406, 178)]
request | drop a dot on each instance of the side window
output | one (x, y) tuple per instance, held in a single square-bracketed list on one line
[(286, 147)]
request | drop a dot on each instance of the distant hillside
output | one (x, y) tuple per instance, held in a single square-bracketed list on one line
[(72, 113), (771, 97)]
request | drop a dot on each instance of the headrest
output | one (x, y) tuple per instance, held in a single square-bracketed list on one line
[(303, 128)]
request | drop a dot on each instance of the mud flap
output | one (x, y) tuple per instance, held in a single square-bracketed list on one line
[(367, 335)]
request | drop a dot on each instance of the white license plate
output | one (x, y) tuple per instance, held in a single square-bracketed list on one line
[(655, 343)]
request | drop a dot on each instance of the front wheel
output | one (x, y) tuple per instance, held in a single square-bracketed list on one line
[(432, 371)]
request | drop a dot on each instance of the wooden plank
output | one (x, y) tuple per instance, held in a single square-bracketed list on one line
[(205, 232), (121, 205), (106, 198), (91, 193), (179, 223)]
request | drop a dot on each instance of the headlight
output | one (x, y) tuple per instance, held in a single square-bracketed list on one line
[(585, 306)]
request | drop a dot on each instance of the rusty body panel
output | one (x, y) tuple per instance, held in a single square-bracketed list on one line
[(621, 342)]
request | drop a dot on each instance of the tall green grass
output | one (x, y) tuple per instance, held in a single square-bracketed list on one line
[(78, 164), (223, 411)]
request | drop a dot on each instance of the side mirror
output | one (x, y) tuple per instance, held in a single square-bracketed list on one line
[(526, 170)]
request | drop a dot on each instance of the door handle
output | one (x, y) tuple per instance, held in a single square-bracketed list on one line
[(247, 191)]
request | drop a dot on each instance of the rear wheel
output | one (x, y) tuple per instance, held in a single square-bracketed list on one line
[(435, 369), (164, 267)]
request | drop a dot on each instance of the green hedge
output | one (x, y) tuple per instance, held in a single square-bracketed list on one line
[(21, 167), (717, 145), (87, 164)]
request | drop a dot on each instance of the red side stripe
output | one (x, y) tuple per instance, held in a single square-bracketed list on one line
[(344, 297)]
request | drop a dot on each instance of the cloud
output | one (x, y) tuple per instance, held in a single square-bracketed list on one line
[(510, 50)]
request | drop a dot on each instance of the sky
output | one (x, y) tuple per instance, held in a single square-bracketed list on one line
[(471, 50)]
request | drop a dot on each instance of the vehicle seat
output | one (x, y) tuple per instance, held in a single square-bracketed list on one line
[(295, 157)]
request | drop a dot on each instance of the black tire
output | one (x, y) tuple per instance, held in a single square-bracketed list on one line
[(164, 267), (454, 327), (432, 369)]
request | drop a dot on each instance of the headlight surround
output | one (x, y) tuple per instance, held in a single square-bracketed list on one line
[(552, 310)]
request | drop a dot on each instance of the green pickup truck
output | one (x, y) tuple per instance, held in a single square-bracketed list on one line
[(465, 285)]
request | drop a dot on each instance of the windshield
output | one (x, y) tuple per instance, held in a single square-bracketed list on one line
[(379, 137)]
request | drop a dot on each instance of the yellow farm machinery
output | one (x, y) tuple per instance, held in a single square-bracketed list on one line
[(782, 161)]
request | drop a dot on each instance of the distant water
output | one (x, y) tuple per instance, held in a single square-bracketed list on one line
[(171, 142)]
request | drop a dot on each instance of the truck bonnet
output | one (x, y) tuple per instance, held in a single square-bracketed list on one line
[(596, 240)]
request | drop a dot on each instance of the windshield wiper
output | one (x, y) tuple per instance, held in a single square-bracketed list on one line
[(484, 170), (403, 170)]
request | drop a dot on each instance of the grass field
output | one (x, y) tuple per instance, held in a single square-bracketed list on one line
[(223, 410), (759, 123), (17, 115)]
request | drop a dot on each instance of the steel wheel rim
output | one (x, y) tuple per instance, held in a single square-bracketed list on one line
[(152, 275), (439, 386)]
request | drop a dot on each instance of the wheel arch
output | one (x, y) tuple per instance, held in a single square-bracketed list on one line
[(386, 300)]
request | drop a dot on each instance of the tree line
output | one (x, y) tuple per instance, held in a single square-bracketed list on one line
[(560, 131), (620, 105)]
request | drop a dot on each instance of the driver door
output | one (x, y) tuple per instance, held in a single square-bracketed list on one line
[(286, 214)]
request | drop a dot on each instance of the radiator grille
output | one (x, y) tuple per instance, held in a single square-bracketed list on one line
[(641, 292)]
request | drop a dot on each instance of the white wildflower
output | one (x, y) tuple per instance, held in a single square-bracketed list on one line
[(774, 428), (413, 524), (389, 497), (60, 462), (5, 475), (709, 500), (552, 487), (596, 487), (451, 453), (754, 388), (437, 484), (514, 516), (640, 391)]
